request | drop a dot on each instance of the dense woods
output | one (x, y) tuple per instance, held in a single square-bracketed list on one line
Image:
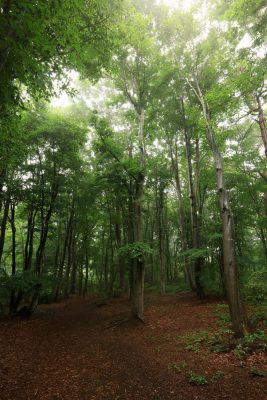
[(154, 174)]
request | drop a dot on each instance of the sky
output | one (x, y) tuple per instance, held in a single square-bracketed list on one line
[(63, 99), (185, 4)]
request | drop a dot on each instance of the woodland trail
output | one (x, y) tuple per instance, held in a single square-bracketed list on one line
[(75, 350)]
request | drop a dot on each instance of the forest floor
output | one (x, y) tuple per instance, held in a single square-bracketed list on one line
[(76, 350)]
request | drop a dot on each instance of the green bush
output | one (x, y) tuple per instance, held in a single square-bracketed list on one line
[(24, 286), (255, 286)]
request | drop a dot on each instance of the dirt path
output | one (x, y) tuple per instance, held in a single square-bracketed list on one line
[(69, 351)]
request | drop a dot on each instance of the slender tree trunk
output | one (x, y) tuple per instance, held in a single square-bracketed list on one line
[(262, 123), (162, 261), (13, 267), (118, 237), (80, 290), (130, 234), (57, 253), (263, 241), (130, 225), (181, 215), (85, 287), (28, 251), (198, 262), (13, 228), (44, 231), (168, 253), (137, 301), (263, 128), (64, 253), (112, 271), (74, 265), (3, 177), (69, 259), (106, 249), (238, 314), (3, 227)]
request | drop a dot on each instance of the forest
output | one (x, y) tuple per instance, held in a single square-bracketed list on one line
[(133, 199)]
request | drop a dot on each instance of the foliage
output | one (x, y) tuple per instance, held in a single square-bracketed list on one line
[(136, 250), (71, 180), (197, 380), (218, 375), (258, 372), (194, 341), (177, 367), (26, 284), (256, 286), (249, 343)]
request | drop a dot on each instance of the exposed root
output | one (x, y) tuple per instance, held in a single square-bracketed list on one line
[(120, 321)]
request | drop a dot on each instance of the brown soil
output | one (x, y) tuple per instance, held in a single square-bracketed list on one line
[(78, 351)]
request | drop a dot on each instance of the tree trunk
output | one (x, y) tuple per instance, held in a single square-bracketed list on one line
[(64, 252), (263, 128), (181, 215), (3, 227), (198, 261), (130, 239), (118, 237), (238, 314), (44, 231), (137, 304), (3, 177), (74, 265), (262, 123), (85, 287), (168, 254), (69, 259), (162, 262), (13, 268), (28, 251)]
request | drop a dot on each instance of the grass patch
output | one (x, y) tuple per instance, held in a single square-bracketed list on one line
[(223, 341), (258, 372), (177, 367), (196, 380), (249, 343), (217, 342), (218, 375), (194, 341)]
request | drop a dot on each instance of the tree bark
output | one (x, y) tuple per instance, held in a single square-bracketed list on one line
[(28, 250), (162, 262), (85, 287), (64, 252), (262, 123), (137, 301), (44, 230), (181, 214), (198, 261), (13, 267), (69, 258), (118, 237), (238, 314), (3, 227), (74, 266)]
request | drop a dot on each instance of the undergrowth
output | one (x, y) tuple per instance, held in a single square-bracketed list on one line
[(192, 377)]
